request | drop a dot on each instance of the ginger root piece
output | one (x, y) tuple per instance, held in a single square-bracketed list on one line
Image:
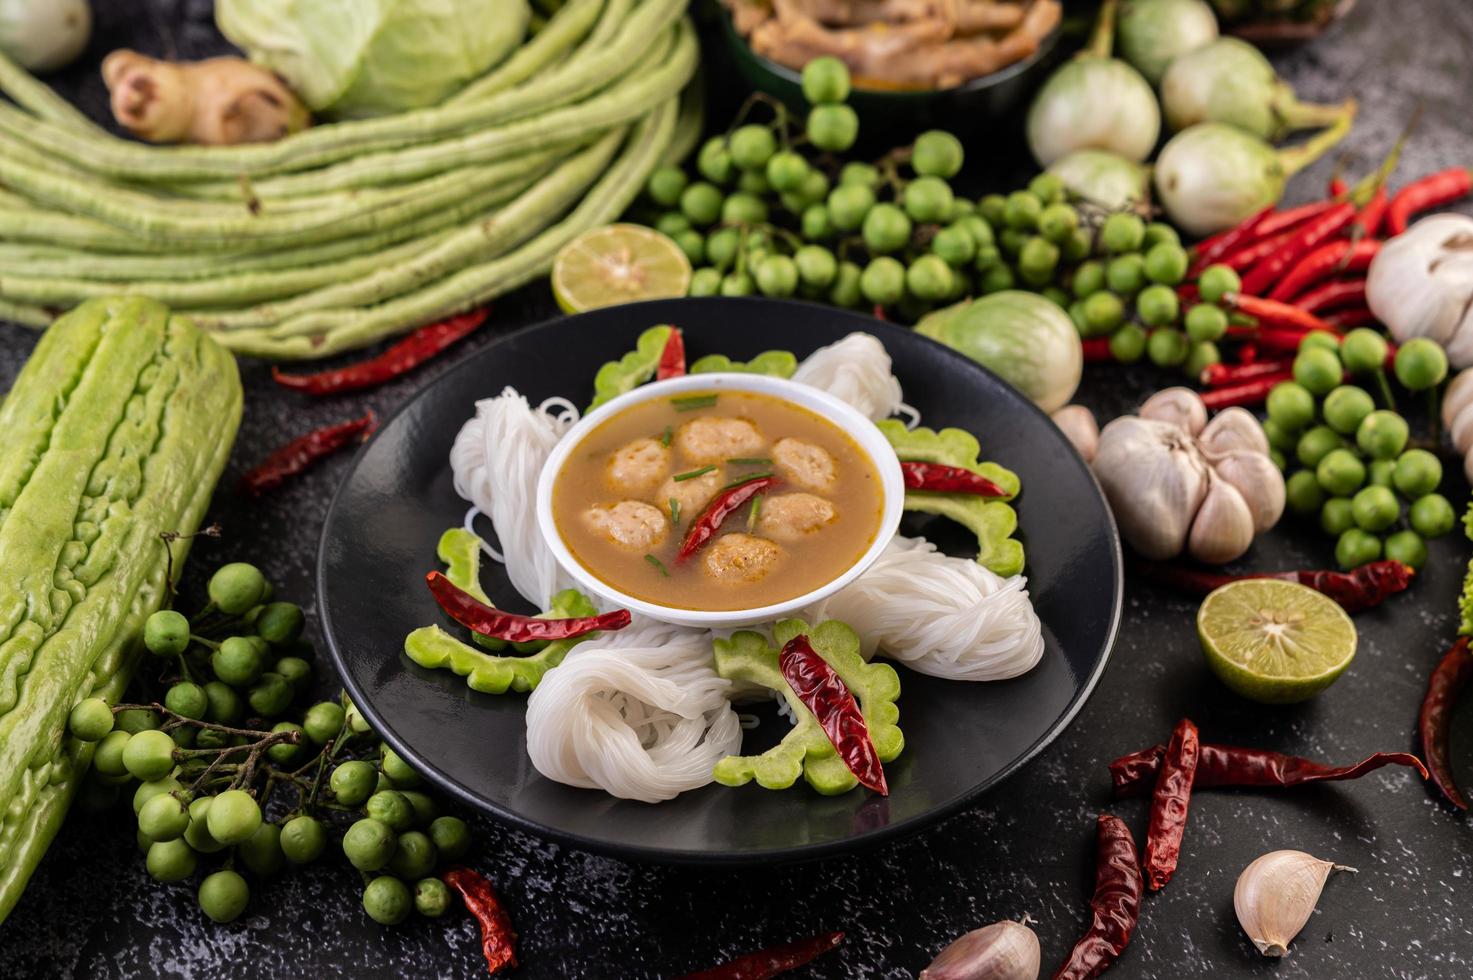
[(220, 101)]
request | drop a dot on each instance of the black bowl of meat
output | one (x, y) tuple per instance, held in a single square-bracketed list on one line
[(916, 64)]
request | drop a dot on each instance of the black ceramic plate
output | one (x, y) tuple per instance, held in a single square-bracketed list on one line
[(961, 738)]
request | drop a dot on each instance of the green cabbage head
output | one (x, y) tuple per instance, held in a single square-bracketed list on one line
[(372, 57)]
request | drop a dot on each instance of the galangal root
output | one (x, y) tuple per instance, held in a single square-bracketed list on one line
[(221, 101)]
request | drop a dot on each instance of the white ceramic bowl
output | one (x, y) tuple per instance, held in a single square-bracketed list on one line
[(859, 428)]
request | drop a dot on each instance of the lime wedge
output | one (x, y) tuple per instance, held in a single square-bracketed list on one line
[(1275, 642), (618, 264)]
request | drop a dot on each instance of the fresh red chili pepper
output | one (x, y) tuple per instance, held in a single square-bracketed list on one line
[(1434, 190), (1248, 354), (1356, 590), (1229, 766), (1116, 905), (1337, 186), (1371, 217), (1169, 803), (704, 528), (1445, 685), (1213, 249), (772, 962), (403, 357), (1251, 392), (1331, 259), (1320, 228), (299, 454), (1273, 313), (824, 693), (1350, 317), (1256, 251), (672, 358), (1333, 294), (498, 939), (478, 617), (1097, 350), (1293, 218), (1217, 375), (947, 479)]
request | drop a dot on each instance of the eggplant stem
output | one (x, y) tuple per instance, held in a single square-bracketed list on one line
[(1296, 158), (1294, 114), (1102, 37)]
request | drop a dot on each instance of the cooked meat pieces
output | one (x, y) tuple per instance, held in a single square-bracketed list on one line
[(630, 524), (803, 464), (794, 516), (637, 468), (741, 558), (712, 439), (693, 494)]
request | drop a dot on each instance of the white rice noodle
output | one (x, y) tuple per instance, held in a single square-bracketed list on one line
[(496, 459), (640, 714), (938, 615), (855, 370)]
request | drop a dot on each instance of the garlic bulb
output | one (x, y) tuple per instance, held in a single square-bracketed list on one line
[(1002, 951), (1276, 895), (1420, 284), (1180, 484), (1079, 426), (1457, 416)]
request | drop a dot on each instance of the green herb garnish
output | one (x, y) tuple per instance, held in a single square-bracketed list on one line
[(744, 480), (690, 403), (750, 461), (692, 474), (674, 512), (666, 436), (755, 511), (658, 564)]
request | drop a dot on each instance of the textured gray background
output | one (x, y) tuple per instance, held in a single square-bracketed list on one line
[(92, 912)]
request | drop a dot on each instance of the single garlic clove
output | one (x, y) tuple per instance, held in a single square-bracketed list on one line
[(1276, 895), (1462, 430), (1458, 396), (1078, 425), (1468, 467), (1223, 527), (1002, 951), (1180, 406), (1155, 481), (1259, 482), (1231, 430)]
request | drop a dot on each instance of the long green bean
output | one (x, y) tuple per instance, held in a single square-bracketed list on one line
[(566, 28), (35, 95), (325, 144)]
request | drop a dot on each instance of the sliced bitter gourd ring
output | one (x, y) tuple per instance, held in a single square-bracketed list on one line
[(806, 750), (116, 430), (992, 520)]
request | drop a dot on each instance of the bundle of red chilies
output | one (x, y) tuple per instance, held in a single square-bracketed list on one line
[(1170, 773)]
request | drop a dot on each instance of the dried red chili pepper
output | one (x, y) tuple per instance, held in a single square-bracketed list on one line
[(672, 358), (1210, 250), (403, 357), (1271, 313), (1320, 228), (947, 479), (1116, 903), (1431, 191), (1449, 678), (1252, 392), (771, 962), (1328, 260), (1361, 588), (727, 502), (299, 454), (1169, 804), (824, 693), (478, 617), (1226, 765), (1217, 375), (498, 939)]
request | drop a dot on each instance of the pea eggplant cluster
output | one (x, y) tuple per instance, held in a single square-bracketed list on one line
[(234, 776)]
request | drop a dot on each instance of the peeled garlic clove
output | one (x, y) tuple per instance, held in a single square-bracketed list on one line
[(1155, 481), (1223, 528), (1259, 482), (1276, 895), (1002, 951), (1078, 425), (1458, 396), (1231, 430), (1181, 407), (1462, 430)]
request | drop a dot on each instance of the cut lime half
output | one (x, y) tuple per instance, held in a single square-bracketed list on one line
[(1275, 642), (618, 264)]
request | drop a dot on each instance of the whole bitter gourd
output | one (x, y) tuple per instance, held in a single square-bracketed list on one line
[(115, 431)]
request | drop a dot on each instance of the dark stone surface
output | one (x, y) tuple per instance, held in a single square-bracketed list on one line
[(92, 912)]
